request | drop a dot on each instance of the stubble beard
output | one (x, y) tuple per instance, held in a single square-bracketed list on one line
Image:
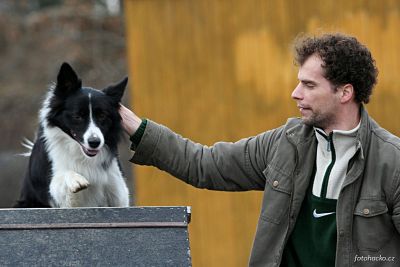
[(319, 120)]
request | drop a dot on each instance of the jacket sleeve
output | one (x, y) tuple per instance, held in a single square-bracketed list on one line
[(396, 201), (224, 166)]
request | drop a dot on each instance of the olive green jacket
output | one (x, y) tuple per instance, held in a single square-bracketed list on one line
[(280, 162)]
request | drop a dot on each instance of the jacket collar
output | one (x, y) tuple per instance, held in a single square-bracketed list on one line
[(364, 132), (299, 132)]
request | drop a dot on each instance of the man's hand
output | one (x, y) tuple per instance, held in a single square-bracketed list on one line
[(130, 122)]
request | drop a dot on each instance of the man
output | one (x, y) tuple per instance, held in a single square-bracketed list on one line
[(331, 179)]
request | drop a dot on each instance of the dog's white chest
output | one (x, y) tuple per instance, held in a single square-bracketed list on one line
[(79, 181)]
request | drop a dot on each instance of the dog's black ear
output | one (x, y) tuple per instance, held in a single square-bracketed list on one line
[(116, 91), (67, 80)]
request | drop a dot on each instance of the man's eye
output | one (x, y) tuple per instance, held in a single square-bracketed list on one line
[(310, 85)]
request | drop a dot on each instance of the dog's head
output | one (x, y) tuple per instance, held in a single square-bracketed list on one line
[(87, 115)]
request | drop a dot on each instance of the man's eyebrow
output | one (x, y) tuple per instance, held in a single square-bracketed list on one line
[(308, 81)]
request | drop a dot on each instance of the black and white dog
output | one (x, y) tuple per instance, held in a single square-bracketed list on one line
[(73, 162)]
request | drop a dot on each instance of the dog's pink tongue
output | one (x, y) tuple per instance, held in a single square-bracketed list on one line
[(91, 152)]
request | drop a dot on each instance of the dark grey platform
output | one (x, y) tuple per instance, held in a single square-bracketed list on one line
[(136, 236)]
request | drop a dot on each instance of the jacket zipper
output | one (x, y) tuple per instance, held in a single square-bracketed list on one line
[(331, 148)]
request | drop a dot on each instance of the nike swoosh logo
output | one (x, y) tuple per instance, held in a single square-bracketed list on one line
[(319, 215)]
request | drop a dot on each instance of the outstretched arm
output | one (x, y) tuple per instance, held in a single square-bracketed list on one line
[(224, 166)]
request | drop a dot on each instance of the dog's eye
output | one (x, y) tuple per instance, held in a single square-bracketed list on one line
[(77, 117), (101, 116)]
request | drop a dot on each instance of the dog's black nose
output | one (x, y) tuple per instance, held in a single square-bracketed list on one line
[(94, 142)]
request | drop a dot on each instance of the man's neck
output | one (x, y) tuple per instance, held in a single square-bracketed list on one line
[(346, 120)]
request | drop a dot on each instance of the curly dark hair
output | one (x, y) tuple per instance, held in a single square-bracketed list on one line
[(345, 60)]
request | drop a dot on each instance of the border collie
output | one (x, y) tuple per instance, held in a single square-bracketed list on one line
[(73, 162)]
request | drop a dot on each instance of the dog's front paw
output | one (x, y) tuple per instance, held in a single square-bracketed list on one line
[(76, 182)]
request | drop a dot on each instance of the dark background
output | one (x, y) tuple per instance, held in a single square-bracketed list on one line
[(36, 36)]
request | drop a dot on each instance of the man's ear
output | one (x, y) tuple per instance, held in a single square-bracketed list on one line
[(116, 91), (67, 81), (347, 93)]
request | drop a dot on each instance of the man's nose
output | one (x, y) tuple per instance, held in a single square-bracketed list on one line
[(296, 94)]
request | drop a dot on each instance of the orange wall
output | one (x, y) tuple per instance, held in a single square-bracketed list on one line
[(222, 70)]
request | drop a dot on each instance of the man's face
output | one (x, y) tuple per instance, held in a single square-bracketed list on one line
[(315, 95)]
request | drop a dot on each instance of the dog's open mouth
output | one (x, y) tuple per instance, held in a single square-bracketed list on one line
[(90, 152)]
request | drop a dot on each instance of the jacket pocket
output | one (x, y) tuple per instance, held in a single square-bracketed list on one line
[(277, 192), (373, 227)]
